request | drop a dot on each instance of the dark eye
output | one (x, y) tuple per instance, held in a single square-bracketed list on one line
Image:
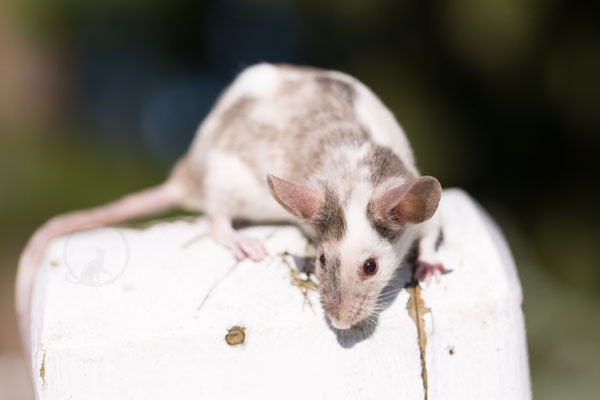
[(322, 260), (369, 267)]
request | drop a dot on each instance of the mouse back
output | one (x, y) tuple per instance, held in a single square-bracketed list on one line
[(304, 125)]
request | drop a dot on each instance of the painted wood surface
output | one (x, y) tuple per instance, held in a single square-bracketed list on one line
[(166, 313)]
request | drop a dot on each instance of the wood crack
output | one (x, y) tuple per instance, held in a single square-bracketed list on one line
[(417, 310), (43, 370), (221, 279)]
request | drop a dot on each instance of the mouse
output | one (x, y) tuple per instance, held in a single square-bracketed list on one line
[(296, 144)]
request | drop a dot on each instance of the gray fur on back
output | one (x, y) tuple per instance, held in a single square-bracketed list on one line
[(306, 131), (315, 118)]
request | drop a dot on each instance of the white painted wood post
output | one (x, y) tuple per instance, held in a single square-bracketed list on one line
[(144, 314)]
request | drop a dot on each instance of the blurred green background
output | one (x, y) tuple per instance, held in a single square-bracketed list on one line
[(499, 97)]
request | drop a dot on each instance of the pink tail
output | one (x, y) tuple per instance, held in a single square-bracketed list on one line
[(143, 203)]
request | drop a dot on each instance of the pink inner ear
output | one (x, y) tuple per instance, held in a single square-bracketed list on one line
[(387, 205), (298, 200), (407, 208), (413, 202)]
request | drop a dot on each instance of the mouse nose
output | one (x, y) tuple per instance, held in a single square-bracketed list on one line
[(340, 325), (341, 314)]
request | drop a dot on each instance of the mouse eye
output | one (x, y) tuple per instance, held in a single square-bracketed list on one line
[(369, 267), (322, 260)]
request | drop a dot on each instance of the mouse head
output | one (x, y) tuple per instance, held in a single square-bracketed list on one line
[(361, 241)]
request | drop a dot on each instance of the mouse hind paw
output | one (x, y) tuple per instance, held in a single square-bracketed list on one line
[(425, 271)]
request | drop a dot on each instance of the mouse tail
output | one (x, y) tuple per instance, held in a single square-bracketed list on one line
[(146, 202)]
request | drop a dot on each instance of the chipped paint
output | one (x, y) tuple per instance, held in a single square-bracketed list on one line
[(215, 285)]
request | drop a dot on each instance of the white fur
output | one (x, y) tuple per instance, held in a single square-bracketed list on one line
[(260, 80), (383, 127), (227, 176), (428, 233), (361, 241)]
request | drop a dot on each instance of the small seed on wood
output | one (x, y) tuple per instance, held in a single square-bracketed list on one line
[(235, 336)]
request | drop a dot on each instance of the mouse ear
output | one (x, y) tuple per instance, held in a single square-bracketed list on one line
[(297, 200), (412, 202)]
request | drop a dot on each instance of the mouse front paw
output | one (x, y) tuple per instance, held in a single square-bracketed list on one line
[(244, 247), (240, 245)]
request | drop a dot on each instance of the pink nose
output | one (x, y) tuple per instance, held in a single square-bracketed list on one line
[(340, 325), (342, 313)]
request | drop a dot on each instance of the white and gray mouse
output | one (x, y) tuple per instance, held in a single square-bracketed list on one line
[(297, 144)]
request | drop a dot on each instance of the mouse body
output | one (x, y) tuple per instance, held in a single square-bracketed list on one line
[(296, 144)]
